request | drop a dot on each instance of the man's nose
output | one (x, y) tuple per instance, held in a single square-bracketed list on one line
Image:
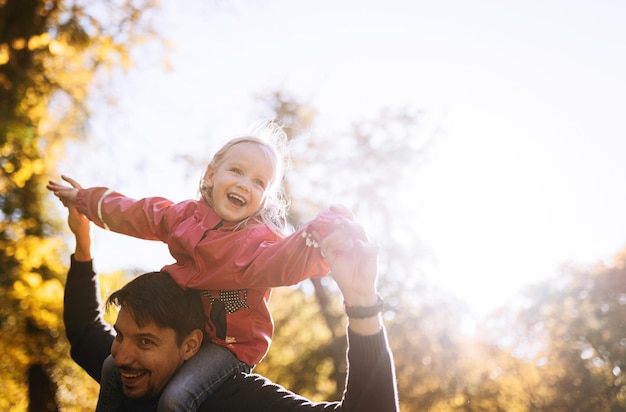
[(122, 353)]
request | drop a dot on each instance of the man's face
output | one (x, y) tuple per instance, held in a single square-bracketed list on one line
[(147, 357)]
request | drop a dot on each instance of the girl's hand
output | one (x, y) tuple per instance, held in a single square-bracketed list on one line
[(66, 194)]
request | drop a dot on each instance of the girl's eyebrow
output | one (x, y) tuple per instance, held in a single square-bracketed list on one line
[(243, 165)]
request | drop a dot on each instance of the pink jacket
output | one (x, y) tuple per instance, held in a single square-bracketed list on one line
[(234, 269)]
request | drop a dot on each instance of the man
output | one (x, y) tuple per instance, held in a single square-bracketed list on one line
[(159, 326)]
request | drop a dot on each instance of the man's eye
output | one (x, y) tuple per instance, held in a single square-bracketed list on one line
[(146, 342)]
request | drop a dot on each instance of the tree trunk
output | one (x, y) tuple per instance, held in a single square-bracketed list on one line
[(41, 390)]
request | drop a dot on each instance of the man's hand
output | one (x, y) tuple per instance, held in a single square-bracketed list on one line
[(353, 262), (80, 226), (66, 194)]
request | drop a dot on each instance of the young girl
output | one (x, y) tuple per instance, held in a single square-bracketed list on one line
[(229, 244)]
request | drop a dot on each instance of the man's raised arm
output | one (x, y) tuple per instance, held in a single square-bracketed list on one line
[(353, 261), (89, 336)]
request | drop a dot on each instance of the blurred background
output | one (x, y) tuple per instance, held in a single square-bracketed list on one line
[(480, 144)]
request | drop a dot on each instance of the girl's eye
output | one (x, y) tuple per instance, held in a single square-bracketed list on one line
[(236, 170), (260, 183)]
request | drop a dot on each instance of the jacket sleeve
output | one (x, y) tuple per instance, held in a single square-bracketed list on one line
[(370, 386), (89, 335), (149, 218), (286, 261)]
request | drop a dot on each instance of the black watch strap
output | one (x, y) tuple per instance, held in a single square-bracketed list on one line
[(362, 312)]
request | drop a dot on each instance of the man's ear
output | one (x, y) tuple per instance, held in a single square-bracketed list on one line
[(191, 344)]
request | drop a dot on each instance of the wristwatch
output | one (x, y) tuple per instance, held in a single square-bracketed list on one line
[(362, 312)]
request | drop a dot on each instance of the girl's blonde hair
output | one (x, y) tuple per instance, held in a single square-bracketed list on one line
[(271, 138)]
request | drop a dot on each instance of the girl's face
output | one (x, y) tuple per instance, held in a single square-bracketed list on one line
[(240, 182)]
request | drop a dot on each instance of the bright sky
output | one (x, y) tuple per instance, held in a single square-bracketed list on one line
[(530, 96)]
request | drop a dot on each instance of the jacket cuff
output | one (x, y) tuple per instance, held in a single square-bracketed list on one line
[(368, 346), (77, 264)]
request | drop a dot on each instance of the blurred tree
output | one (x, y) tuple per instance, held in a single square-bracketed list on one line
[(566, 349), (496, 379), (51, 52), (430, 351), (574, 330)]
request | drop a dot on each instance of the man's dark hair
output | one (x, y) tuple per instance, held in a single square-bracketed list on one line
[(155, 297)]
